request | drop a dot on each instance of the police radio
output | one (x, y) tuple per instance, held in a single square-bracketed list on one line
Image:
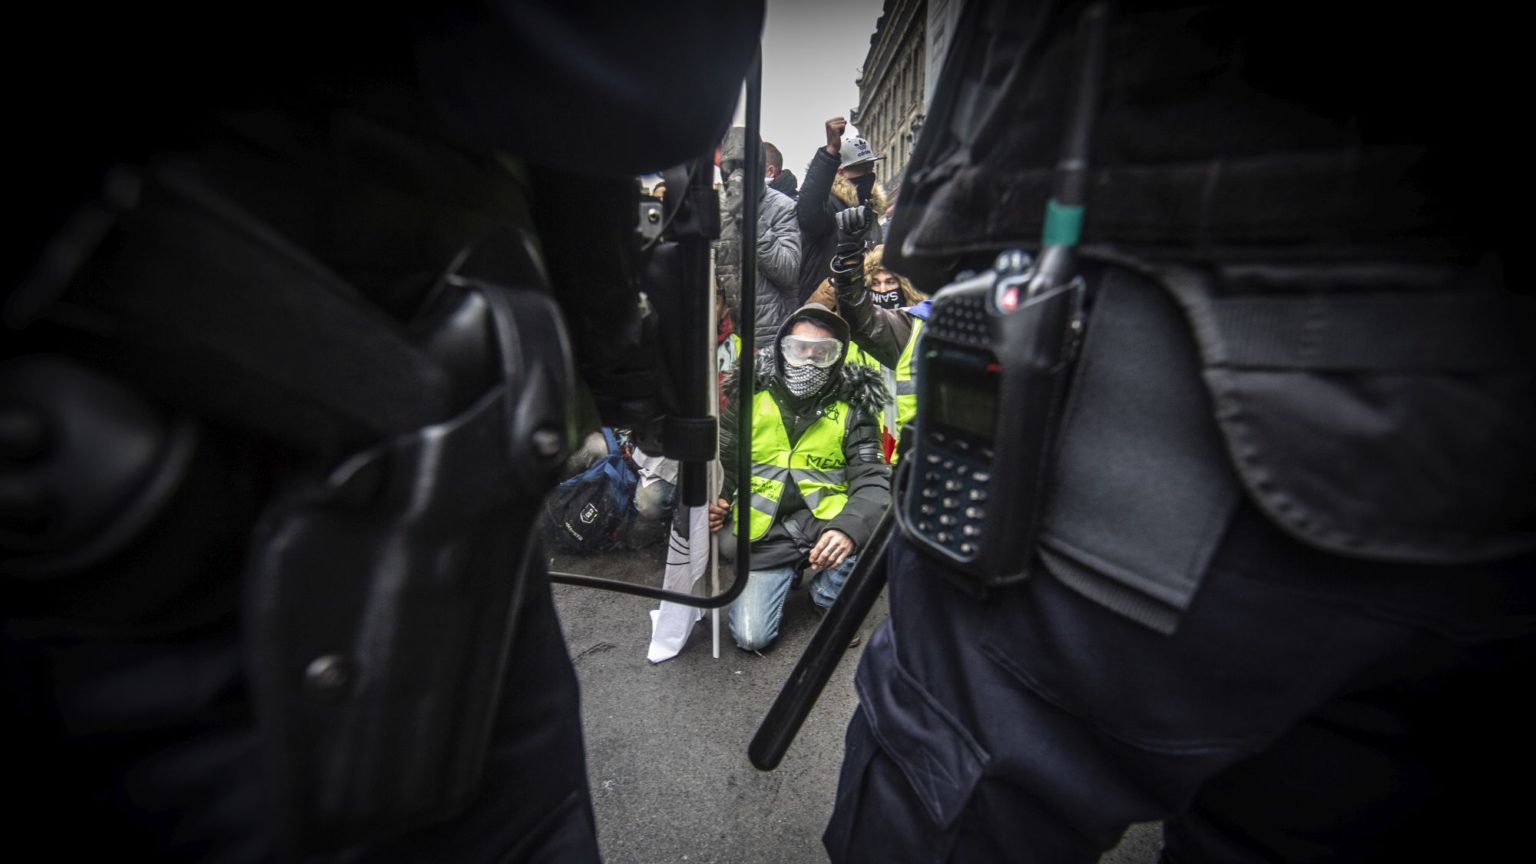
[(992, 363)]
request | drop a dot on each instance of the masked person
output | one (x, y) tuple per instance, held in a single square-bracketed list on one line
[(290, 361), (841, 175), (819, 483), (884, 318), (1282, 595), (885, 314), (780, 179), (887, 290), (778, 240)]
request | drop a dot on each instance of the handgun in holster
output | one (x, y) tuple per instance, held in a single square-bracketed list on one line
[(384, 577)]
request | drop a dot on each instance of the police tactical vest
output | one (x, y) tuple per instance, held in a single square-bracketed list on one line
[(815, 464)]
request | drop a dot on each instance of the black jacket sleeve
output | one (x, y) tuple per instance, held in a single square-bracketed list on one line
[(883, 333), (811, 206), (869, 480)]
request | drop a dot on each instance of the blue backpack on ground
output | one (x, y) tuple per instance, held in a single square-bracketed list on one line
[(593, 511)]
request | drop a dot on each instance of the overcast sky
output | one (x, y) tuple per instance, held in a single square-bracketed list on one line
[(812, 51)]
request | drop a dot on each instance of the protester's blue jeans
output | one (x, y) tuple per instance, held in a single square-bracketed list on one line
[(653, 500), (754, 617)]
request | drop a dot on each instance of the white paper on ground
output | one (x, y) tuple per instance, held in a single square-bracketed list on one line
[(687, 562)]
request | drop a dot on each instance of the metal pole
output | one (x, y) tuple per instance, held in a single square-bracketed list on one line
[(751, 192), (714, 465), (714, 572)]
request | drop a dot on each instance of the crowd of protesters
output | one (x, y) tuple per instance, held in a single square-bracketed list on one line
[(834, 332)]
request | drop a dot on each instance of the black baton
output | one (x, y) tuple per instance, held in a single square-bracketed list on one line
[(828, 644)]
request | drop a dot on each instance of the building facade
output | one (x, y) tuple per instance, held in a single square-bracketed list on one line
[(893, 86), (943, 15)]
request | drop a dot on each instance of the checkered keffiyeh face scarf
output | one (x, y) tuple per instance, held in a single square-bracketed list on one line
[(802, 381)]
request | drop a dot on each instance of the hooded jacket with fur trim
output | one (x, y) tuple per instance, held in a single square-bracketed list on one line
[(795, 529), (823, 195)]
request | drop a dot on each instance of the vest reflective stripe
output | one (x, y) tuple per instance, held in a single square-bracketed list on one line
[(813, 497), (765, 504), (838, 477), (906, 388), (767, 486), (770, 471), (815, 464)]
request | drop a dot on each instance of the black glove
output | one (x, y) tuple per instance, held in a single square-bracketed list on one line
[(853, 224), (848, 258)]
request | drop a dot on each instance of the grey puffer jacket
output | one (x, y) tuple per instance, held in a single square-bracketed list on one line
[(778, 243), (794, 528)]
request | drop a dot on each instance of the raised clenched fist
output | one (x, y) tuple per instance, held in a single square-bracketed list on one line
[(853, 223), (835, 129)]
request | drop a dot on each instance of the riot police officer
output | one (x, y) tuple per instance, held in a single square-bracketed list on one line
[(292, 357), (1281, 593)]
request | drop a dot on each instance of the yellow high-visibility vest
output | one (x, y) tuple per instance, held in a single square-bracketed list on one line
[(855, 354), (906, 388), (815, 464)]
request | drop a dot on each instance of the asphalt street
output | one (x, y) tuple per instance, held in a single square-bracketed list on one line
[(667, 743)]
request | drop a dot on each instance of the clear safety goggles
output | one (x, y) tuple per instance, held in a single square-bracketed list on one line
[(818, 351)]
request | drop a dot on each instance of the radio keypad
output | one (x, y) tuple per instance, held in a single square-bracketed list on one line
[(957, 479), (961, 319)]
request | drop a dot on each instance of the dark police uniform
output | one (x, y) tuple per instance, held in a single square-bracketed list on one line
[(235, 244), (1284, 595)]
